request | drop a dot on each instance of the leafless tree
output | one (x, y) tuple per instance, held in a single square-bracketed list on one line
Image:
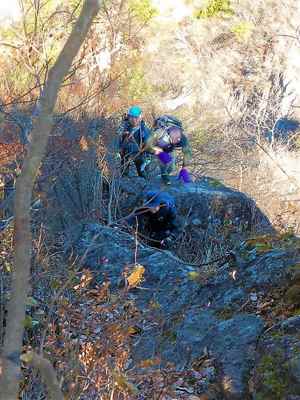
[(10, 365)]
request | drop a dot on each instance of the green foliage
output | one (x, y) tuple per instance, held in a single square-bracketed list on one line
[(200, 136), (19, 78), (137, 86), (215, 183), (242, 30), (142, 9), (170, 335), (273, 376), (29, 322), (34, 44), (216, 8), (31, 302), (7, 33)]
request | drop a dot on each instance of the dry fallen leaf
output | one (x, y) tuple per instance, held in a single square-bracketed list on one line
[(136, 276), (150, 362), (122, 382), (83, 144), (193, 275)]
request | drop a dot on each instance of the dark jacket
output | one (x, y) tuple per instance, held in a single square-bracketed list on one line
[(132, 139), (163, 222), (159, 228)]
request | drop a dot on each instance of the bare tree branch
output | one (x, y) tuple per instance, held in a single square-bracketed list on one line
[(47, 372)]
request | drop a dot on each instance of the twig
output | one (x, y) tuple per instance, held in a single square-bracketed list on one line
[(238, 124), (136, 242), (62, 288), (47, 373), (2, 304), (243, 305)]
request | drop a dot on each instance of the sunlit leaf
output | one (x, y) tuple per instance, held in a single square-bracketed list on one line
[(154, 305), (150, 362), (136, 276), (193, 275), (122, 382), (133, 330), (27, 357), (27, 322), (83, 144), (7, 266)]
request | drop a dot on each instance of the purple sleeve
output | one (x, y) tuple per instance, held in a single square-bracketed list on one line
[(184, 175), (164, 157)]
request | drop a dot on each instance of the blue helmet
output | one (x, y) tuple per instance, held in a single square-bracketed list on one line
[(155, 198), (134, 111)]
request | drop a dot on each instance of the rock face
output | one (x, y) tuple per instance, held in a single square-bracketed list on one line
[(204, 208), (81, 192), (203, 203), (277, 369), (212, 315), (201, 318)]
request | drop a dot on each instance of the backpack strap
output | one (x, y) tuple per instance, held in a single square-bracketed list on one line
[(166, 121)]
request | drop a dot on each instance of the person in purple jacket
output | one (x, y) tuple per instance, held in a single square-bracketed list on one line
[(167, 137)]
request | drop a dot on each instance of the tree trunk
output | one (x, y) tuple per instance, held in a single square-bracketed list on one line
[(10, 364)]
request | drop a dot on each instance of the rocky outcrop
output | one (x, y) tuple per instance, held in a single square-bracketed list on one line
[(203, 203), (277, 368), (217, 317), (80, 192), (190, 313)]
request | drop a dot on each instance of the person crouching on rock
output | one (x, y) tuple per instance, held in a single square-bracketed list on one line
[(157, 219)]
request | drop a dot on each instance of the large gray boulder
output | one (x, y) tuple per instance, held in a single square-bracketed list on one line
[(209, 315), (203, 203), (81, 192), (277, 367), (201, 318)]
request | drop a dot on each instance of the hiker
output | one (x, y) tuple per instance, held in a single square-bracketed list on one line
[(157, 219), (132, 135), (166, 138)]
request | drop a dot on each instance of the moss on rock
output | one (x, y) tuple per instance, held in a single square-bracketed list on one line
[(273, 377)]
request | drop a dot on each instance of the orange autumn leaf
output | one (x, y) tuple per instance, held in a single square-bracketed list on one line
[(136, 276), (150, 362), (83, 144)]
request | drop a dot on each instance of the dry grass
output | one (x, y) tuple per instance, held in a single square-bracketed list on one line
[(271, 177), (276, 192)]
